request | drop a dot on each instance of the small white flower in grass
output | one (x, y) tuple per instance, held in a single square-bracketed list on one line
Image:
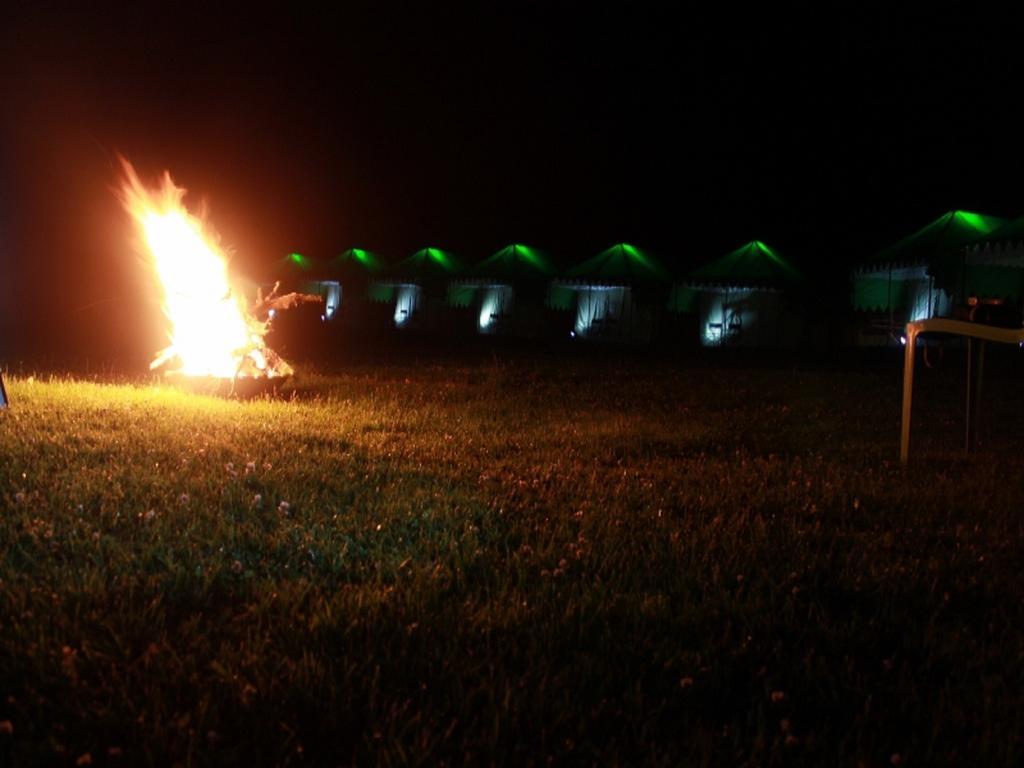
[(257, 499), (283, 507), (150, 516), (230, 466), (267, 465), (250, 467)]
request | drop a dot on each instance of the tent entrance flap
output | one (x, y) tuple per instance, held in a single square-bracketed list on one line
[(604, 312), (496, 307), (408, 303)]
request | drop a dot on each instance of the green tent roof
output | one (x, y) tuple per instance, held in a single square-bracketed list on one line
[(296, 263), (750, 266), (292, 267), (1010, 233), (513, 263), (620, 263), (935, 243), (355, 263), (427, 264), (352, 265), (300, 261)]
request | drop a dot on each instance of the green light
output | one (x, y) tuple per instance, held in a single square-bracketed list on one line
[(298, 258), (425, 258), (363, 257), (531, 256), (636, 255), (976, 221), (440, 257), (767, 251), (642, 259), (972, 220)]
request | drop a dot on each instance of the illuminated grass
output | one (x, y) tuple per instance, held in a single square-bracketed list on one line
[(506, 563)]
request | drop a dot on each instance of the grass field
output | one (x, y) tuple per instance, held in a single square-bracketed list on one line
[(511, 563)]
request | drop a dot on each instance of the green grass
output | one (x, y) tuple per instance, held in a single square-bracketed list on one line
[(512, 564)]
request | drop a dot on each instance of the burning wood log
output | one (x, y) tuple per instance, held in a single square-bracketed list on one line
[(278, 303)]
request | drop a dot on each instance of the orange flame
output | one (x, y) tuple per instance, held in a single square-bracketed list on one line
[(212, 332)]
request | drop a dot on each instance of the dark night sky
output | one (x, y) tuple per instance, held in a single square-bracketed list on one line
[(827, 134)]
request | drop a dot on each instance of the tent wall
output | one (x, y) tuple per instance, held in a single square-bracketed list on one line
[(424, 309), (924, 300), (408, 305), (991, 281), (497, 303), (610, 314), (498, 309), (891, 301), (746, 318), (462, 295), (560, 298), (683, 299), (876, 294), (381, 293), (330, 291)]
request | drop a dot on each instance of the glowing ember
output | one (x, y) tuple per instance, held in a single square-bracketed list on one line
[(212, 331)]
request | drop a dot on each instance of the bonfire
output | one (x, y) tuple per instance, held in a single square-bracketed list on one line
[(214, 332)]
